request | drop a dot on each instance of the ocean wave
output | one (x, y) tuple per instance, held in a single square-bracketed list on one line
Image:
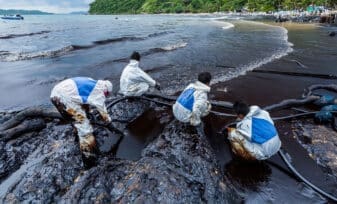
[(253, 65), (151, 51), (167, 48), (228, 26), (14, 56), (115, 40), (224, 25), (129, 38), (160, 68), (159, 34), (45, 81), (11, 57), (24, 34)]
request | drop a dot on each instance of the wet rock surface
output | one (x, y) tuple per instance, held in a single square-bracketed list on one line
[(321, 143), (176, 166)]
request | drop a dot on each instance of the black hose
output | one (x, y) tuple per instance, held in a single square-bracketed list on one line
[(298, 115), (292, 168), (294, 116), (159, 102), (281, 153), (222, 104)]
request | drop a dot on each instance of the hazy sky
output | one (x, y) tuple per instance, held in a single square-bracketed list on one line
[(53, 6)]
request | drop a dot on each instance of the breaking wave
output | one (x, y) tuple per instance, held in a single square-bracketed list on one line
[(11, 57), (228, 26), (24, 34), (223, 24), (19, 56), (253, 65), (151, 51)]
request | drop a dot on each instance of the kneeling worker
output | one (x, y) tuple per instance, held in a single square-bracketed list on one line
[(70, 97), (192, 104), (134, 81), (255, 136)]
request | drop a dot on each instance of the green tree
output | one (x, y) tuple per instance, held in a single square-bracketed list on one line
[(178, 6)]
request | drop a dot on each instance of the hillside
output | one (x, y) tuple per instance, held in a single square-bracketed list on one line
[(22, 12), (196, 6)]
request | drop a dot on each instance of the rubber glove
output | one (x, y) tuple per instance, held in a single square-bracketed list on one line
[(209, 107), (157, 86), (194, 120)]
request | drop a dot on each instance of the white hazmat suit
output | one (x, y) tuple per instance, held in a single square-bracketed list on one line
[(255, 136), (134, 81), (192, 104), (72, 93)]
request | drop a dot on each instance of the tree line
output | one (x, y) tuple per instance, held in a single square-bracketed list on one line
[(198, 6)]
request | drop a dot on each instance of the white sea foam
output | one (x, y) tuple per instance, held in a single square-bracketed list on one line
[(175, 46), (18, 56), (255, 64), (228, 26), (224, 25)]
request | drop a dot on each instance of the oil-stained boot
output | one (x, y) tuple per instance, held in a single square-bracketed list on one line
[(89, 151), (239, 150)]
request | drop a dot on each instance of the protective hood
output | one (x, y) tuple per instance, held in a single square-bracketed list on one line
[(108, 85), (257, 126), (133, 64), (199, 86), (253, 111)]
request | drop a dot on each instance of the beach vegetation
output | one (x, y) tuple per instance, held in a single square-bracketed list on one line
[(199, 6)]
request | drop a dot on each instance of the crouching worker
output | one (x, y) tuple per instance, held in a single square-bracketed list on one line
[(134, 81), (72, 97), (192, 104), (255, 136)]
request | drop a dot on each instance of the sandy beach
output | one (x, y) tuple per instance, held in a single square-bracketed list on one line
[(158, 154), (265, 89)]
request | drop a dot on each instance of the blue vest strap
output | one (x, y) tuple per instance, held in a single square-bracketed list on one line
[(84, 86), (186, 99), (262, 130)]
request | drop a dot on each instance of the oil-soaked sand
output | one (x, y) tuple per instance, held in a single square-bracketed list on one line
[(160, 160)]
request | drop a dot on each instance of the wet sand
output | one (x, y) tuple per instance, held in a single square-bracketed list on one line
[(265, 89), (270, 181), (266, 182)]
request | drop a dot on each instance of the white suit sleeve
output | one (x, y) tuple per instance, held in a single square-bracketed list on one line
[(144, 77), (200, 107), (103, 112), (244, 129)]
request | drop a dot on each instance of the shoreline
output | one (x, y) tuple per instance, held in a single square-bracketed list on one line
[(255, 88), (264, 89)]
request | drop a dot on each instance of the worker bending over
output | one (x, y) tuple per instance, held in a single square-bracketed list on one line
[(72, 97)]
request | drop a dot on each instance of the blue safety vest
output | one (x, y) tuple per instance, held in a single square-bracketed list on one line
[(85, 86), (186, 99), (262, 130)]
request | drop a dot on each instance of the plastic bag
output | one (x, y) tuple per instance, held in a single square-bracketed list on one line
[(325, 114), (324, 100)]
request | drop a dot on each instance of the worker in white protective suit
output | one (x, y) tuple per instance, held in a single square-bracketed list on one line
[(192, 104), (134, 81), (72, 97), (255, 136)]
